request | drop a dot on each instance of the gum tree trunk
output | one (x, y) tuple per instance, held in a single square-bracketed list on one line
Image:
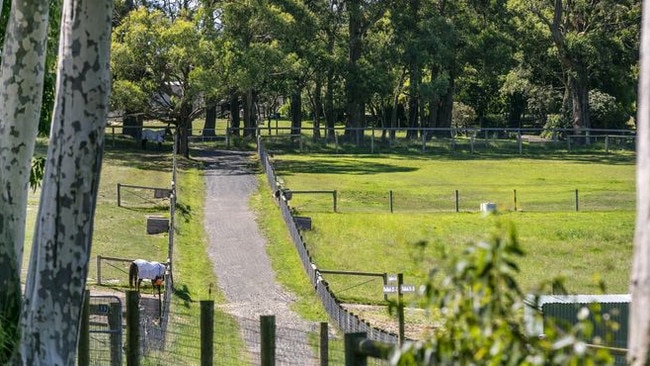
[(21, 87), (63, 234), (639, 333)]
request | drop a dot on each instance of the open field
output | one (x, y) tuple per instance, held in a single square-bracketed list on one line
[(585, 246)]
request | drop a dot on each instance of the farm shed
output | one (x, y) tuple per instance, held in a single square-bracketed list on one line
[(562, 311)]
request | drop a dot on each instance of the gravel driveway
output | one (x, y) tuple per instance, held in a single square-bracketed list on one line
[(238, 253)]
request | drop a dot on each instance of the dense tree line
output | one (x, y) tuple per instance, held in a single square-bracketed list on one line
[(559, 64)]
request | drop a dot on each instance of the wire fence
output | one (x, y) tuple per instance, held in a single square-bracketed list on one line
[(511, 141), (344, 319), (176, 338), (373, 140), (543, 198)]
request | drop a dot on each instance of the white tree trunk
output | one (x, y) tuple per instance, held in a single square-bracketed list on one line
[(63, 235), (21, 89), (639, 333)]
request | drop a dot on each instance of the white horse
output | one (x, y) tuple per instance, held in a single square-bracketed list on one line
[(157, 136)]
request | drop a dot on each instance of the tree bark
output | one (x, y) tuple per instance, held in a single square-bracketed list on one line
[(132, 124), (234, 114), (580, 99), (354, 99), (393, 114), (63, 235), (210, 118), (317, 109), (250, 117), (296, 112), (414, 71), (639, 332), (330, 119), (21, 80), (573, 68), (184, 130)]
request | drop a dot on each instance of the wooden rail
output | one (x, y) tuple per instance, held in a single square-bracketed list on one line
[(158, 192), (333, 193)]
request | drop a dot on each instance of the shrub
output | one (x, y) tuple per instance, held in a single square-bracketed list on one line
[(605, 112), (463, 116), (555, 123), (480, 308)]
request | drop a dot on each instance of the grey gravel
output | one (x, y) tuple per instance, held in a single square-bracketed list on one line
[(240, 261)]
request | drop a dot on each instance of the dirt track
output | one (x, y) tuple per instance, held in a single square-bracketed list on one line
[(238, 253)]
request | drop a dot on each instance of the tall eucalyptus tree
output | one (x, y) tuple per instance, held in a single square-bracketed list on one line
[(638, 353), (49, 317), (58, 268), (362, 16), (577, 30), (22, 78)]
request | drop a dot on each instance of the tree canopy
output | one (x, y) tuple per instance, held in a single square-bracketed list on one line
[(514, 63)]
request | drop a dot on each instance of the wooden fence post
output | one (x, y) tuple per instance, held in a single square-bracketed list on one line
[(115, 325), (400, 307), (99, 270), (324, 344), (83, 353), (267, 344), (132, 328), (207, 332), (352, 356), (119, 200)]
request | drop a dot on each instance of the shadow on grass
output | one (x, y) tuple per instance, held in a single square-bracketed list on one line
[(184, 210), (360, 164), (156, 209), (183, 293), (126, 151), (461, 151), (339, 165)]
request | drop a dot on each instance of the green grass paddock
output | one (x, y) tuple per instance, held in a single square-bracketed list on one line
[(121, 232), (584, 246)]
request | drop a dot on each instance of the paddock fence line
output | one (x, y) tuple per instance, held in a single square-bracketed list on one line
[(140, 338), (345, 320), (137, 195), (457, 139), (373, 139), (471, 198)]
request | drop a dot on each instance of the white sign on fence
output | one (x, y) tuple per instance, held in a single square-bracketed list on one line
[(389, 289), (408, 288)]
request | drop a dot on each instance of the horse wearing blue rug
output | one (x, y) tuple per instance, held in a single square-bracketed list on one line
[(157, 136), (141, 269)]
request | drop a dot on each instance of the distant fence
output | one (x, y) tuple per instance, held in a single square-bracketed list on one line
[(466, 139), (372, 140), (470, 199), (136, 195), (345, 320)]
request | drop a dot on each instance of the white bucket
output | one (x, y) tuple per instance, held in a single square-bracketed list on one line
[(488, 207)]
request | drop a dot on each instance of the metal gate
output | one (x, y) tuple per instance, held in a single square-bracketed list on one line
[(105, 319)]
